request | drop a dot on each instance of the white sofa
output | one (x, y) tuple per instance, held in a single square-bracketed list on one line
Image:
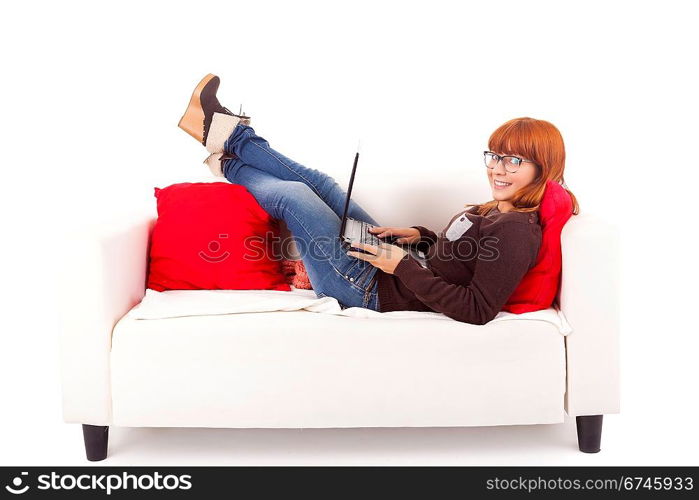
[(301, 369)]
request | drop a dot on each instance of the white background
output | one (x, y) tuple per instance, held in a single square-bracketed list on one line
[(92, 92)]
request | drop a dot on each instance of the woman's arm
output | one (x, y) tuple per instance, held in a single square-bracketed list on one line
[(427, 239), (496, 276)]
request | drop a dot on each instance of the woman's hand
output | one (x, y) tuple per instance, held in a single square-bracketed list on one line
[(386, 256), (406, 235)]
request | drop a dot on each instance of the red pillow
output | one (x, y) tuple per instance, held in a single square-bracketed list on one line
[(538, 288), (213, 236)]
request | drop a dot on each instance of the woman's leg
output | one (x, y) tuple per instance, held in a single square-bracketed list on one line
[(315, 228), (253, 150)]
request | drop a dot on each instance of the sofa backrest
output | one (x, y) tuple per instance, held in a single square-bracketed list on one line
[(413, 200)]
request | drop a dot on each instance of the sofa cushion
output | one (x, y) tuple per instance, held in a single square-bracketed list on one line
[(296, 274), (286, 369), (214, 236), (538, 288)]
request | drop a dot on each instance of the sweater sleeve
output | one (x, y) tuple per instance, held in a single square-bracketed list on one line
[(496, 276), (427, 239)]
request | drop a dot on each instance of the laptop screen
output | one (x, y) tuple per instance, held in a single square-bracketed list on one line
[(349, 194)]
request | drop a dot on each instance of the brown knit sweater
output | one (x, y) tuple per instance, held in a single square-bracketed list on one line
[(473, 266)]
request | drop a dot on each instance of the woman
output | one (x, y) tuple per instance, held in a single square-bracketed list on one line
[(473, 266)]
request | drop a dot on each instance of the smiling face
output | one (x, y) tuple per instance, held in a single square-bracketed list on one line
[(505, 184)]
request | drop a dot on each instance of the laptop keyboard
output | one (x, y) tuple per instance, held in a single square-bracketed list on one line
[(366, 236), (361, 232)]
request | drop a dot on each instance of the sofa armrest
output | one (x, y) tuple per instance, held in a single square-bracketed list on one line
[(101, 276), (589, 298)]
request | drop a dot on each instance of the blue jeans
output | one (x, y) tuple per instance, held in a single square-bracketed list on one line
[(311, 204)]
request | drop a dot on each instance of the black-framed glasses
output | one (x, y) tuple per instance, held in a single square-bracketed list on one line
[(511, 163)]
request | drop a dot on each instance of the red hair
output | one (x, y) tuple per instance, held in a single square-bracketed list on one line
[(540, 142)]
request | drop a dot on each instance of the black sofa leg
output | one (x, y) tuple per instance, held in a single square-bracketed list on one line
[(96, 438), (589, 432)]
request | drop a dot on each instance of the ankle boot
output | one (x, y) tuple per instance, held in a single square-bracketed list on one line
[(215, 162), (203, 109), (221, 127)]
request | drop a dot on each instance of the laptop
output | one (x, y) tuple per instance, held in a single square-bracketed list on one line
[(352, 230)]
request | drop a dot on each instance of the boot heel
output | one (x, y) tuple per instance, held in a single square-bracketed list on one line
[(192, 120)]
